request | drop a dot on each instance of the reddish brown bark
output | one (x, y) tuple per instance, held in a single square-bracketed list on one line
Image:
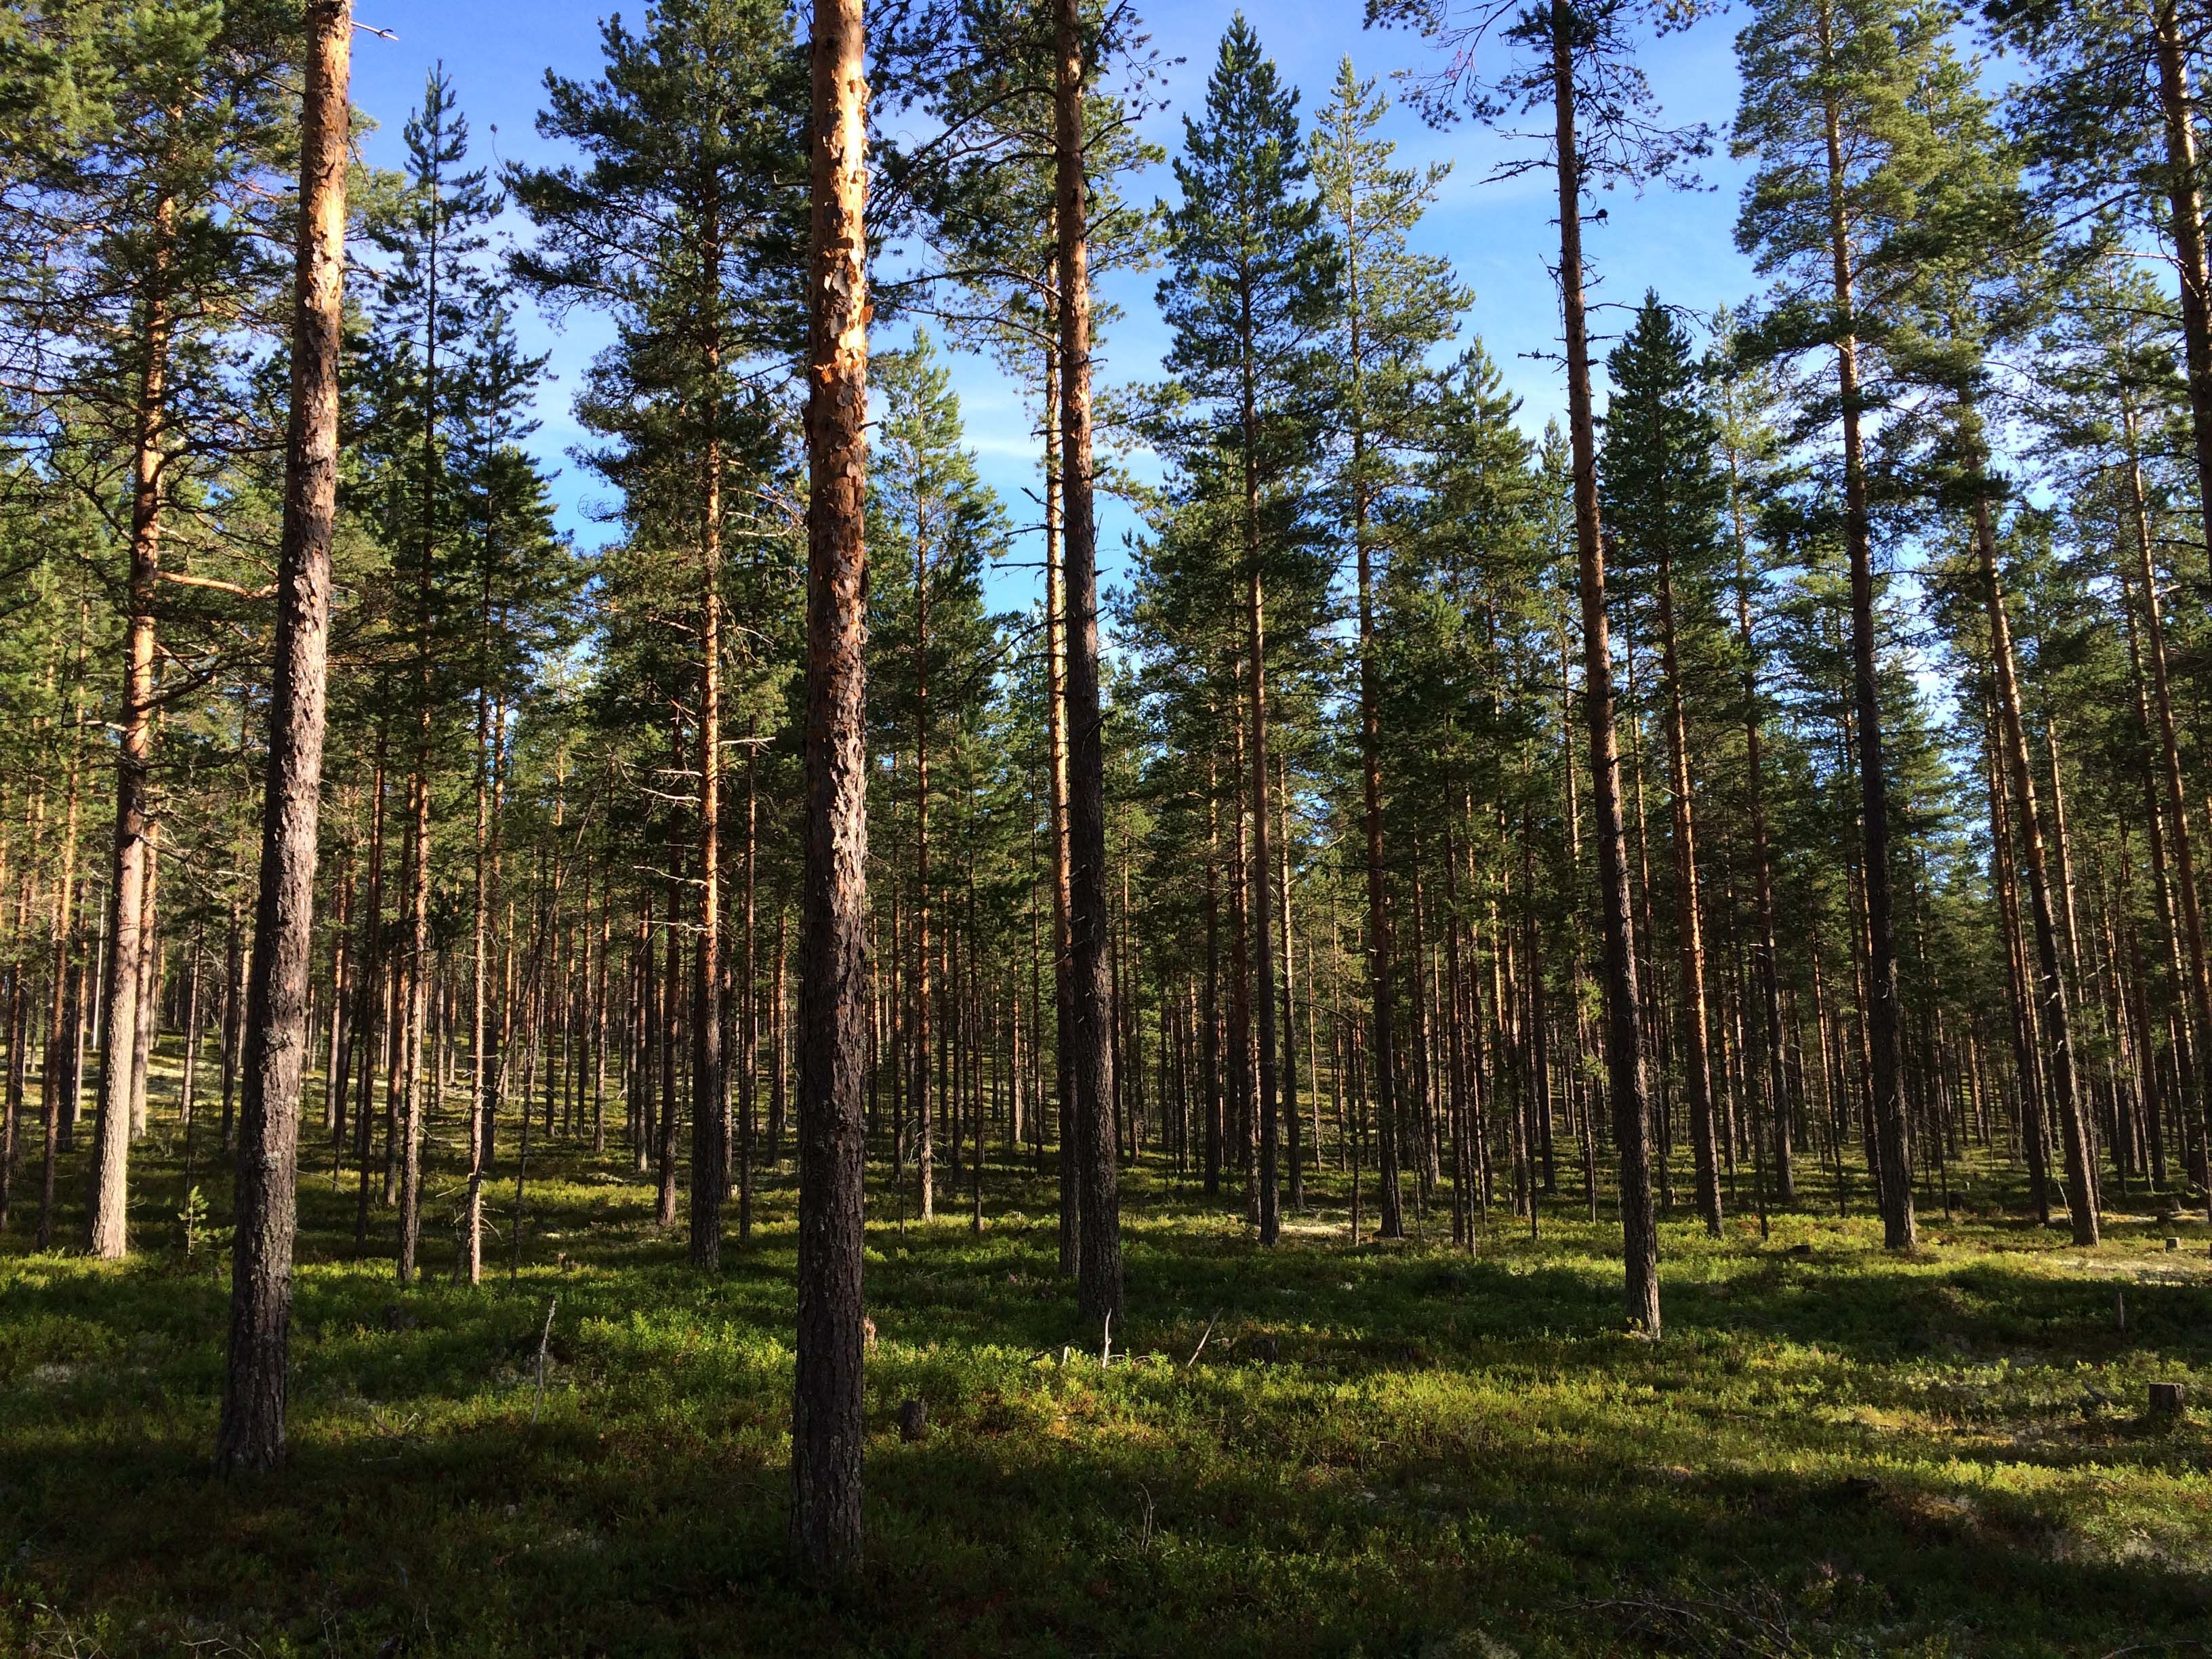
[(252, 1435), (826, 1421), (1099, 1268)]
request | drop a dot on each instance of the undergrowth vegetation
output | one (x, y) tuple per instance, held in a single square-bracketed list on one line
[(1392, 1450)]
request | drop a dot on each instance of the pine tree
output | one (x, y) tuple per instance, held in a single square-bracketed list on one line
[(139, 162), (1828, 112), (683, 224), (1577, 63), (1744, 398), (1254, 283), (2110, 114), (932, 525), (1978, 258), (1396, 306), (432, 294)]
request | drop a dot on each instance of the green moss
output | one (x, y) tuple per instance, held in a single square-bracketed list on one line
[(1392, 1450)]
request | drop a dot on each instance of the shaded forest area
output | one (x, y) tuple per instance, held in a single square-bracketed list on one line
[(1499, 1040)]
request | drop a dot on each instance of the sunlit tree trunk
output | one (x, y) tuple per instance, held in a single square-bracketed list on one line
[(826, 1418), (251, 1434)]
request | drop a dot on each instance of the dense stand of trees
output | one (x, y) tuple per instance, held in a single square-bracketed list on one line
[(1780, 788)]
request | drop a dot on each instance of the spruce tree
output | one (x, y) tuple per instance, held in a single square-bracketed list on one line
[(1663, 493)]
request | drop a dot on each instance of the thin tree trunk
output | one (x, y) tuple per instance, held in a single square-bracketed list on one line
[(1689, 915), (925, 1159), (2057, 1033), (106, 1231), (710, 1105), (2191, 929)]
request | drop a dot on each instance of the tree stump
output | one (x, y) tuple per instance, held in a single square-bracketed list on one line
[(913, 1420), (2168, 1399)]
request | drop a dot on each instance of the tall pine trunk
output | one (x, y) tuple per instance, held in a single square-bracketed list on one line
[(826, 1420), (1623, 1054), (1884, 1023), (1098, 1269), (252, 1435)]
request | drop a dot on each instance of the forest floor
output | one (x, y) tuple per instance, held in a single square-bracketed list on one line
[(1396, 1450)]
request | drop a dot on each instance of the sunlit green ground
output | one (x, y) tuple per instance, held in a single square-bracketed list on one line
[(1398, 1450)]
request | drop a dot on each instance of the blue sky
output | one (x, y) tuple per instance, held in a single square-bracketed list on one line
[(1497, 234)]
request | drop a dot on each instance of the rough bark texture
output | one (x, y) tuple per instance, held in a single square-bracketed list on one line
[(252, 1435), (1624, 1054), (1098, 1273), (826, 1422)]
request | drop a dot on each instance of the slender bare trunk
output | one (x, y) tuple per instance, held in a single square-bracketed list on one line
[(710, 1103), (1697, 1063), (2197, 1040), (925, 1147), (1770, 977), (2051, 981)]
